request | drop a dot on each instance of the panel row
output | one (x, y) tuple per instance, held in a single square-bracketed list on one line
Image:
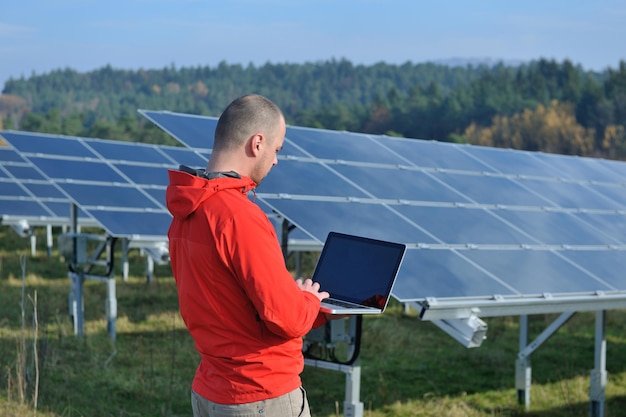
[(120, 185), (196, 132), (479, 221)]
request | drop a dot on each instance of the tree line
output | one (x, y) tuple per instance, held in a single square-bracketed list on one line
[(543, 105)]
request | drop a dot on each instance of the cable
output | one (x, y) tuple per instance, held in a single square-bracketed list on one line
[(326, 351)]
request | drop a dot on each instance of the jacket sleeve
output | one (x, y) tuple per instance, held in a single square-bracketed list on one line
[(253, 248), (321, 320)]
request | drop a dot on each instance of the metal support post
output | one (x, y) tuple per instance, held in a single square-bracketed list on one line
[(352, 406), (334, 333), (49, 239), (111, 308), (81, 258), (76, 303), (522, 364), (33, 244), (598, 374), (523, 370), (149, 269), (71, 301), (523, 378), (125, 267)]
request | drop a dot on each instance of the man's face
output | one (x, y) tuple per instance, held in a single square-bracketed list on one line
[(268, 155)]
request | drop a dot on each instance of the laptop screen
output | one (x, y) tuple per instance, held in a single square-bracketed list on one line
[(358, 269)]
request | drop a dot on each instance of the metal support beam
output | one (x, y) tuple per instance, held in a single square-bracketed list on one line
[(522, 364), (598, 378)]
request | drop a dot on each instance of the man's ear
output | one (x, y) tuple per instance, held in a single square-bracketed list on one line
[(256, 143)]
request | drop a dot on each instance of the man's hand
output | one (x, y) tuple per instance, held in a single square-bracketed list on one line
[(313, 287)]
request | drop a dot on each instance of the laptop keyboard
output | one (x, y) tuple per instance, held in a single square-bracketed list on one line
[(340, 303)]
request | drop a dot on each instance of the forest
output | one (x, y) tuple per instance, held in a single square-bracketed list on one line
[(543, 105)]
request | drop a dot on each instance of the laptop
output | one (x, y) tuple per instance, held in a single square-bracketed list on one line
[(358, 272)]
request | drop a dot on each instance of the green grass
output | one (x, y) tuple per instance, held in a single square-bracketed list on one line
[(409, 367)]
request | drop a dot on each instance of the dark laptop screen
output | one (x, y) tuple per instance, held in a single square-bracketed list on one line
[(358, 269)]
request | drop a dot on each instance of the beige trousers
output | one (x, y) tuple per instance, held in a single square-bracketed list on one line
[(292, 404)]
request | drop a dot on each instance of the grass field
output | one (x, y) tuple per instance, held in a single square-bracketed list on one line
[(409, 367)]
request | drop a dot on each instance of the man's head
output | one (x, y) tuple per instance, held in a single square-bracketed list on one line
[(249, 133)]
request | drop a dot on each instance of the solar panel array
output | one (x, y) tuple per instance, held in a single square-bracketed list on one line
[(120, 185), (479, 222), (26, 195)]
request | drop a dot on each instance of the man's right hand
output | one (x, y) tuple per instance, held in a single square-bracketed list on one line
[(313, 287)]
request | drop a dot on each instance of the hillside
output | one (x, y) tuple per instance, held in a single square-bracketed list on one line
[(426, 101)]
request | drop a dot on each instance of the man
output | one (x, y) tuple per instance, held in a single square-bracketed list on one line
[(245, 312)]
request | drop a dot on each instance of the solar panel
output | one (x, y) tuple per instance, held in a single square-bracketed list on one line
[(462, 277), (340, 146), (578, 168), (463, 226), (119, 184), (40, 144), (320, 180), (391, 183), (552, 266), (480, 223), (435, 155), (131, 152), (462, 201), (608, 265), (615, 192), (26, 195), (193, 131), (365, 217), (183, 156)]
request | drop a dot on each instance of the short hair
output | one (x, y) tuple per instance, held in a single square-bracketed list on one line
[(244, 117)]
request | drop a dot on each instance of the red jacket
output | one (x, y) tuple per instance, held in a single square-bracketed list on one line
[(241, 305)]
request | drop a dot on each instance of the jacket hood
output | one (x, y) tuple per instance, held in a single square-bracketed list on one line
[(186, 191)]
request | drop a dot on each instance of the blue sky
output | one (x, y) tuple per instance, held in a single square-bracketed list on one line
[(42, 35)]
